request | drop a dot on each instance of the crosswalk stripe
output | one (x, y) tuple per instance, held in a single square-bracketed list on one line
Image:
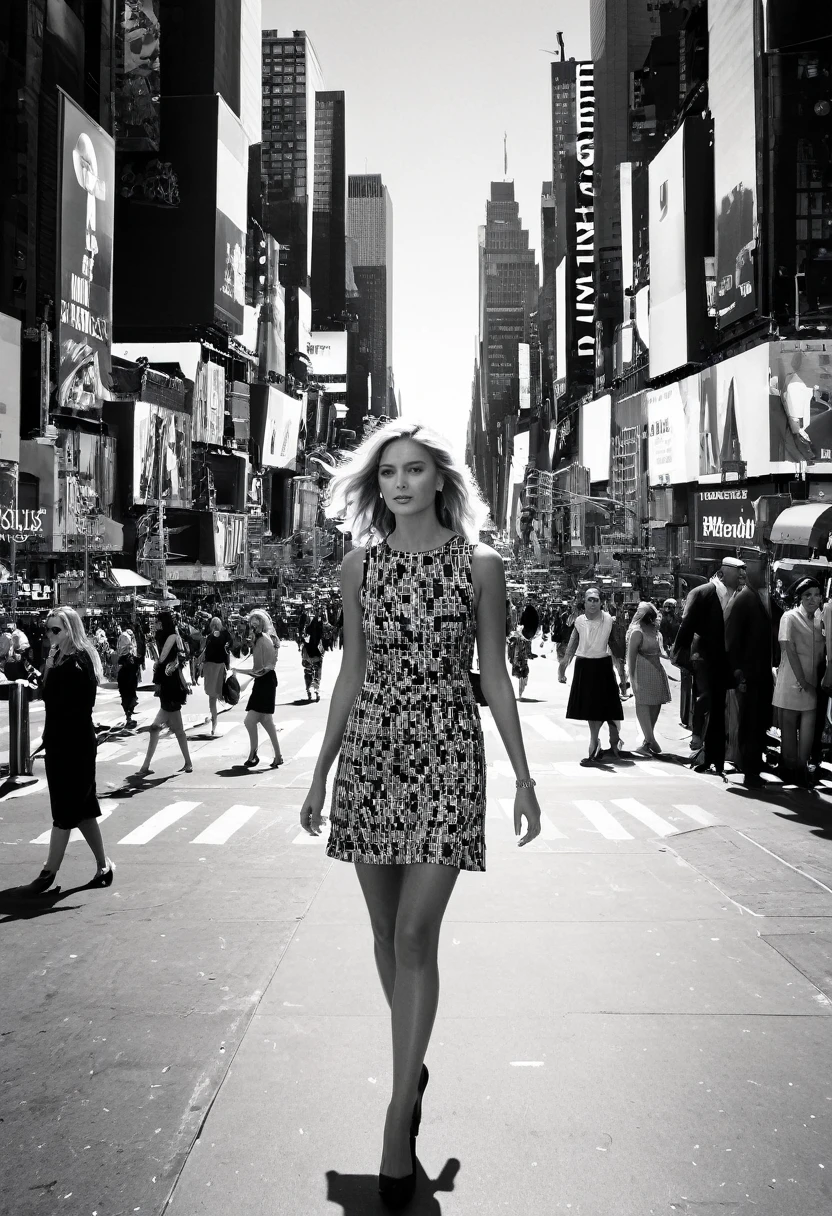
[(228, 823), (548, 729), (696, 813), (107, 751), (158, 822), (649, 818), (600, 818), (548, 831), (571, 768), (311, 747), (106, 811), (649, 768)]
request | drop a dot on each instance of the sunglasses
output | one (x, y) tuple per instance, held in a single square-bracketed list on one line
[(55, 629)]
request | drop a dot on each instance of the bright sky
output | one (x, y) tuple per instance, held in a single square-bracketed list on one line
[(430, 89)]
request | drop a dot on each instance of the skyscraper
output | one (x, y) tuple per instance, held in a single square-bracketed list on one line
[(329, 216), (370, 225), (508, 289), (291, 78)]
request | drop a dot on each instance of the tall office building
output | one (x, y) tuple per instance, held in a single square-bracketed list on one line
[(329, 214), (291, 78), (370, 225), (508, 290)]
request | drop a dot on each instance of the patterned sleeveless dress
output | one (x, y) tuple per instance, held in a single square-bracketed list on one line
[(410, 782)]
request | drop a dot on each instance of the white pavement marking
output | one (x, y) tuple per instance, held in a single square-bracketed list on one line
[(572, 768), (548, 831), (696, 813), (600, 818), (311, 747), (74, 835), (644, 815), (107, 751), (548, 729), (34, 788), (158, 822), (227, 824), (649, 768)]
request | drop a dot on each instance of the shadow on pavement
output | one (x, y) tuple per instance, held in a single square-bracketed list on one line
[(803, 806), (17, 904), (357, 1194), (138, 785), (240, 770)]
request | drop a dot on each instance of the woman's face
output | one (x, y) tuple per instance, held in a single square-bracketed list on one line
[(56, 630), (810, 599), (408, 477)]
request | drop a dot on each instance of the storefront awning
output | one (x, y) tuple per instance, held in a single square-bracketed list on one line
[(128, 578), (808, 523)]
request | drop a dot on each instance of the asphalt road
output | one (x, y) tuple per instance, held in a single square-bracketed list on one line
[(635, 1010)]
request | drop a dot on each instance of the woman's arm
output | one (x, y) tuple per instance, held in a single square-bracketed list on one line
[(790, 651), (633, 647), (574, 642), (353, 664), (488, 571)]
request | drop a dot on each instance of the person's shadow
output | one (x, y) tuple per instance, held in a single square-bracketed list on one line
[(358, 1194), (16, 903)]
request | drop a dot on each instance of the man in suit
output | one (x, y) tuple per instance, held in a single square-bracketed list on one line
[(700, 646), (751, 642)]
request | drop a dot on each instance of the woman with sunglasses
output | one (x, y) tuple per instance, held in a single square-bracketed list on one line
[(594, 696), (260, 706), (69, 682), (170, 689)]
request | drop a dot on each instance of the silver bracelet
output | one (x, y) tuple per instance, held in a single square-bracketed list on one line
[(525, 785)]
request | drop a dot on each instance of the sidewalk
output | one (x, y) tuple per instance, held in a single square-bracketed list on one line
[(614, 1038)]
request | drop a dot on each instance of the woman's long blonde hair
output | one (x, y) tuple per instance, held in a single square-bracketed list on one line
[(78, 640), (355, 495), (265, 620)]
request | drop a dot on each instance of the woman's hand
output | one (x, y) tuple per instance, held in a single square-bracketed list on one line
[(561, 673), (525, 803), (311, 816)]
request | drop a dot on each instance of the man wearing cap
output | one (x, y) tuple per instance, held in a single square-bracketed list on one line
[(700, 646)]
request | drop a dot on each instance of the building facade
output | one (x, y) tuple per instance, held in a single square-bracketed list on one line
[(370, 228)]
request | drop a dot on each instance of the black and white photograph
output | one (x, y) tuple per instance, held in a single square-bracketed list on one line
[(439, 399)]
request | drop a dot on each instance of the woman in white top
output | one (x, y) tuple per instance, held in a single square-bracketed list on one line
[(261, 703), (593, 696), (802, 655)]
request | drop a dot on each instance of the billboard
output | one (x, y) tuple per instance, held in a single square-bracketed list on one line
[(671, 433), (328, 353), (9, 388), (581, 285), (138, 76), (596, 421), (524, 372), (275, 425), (800, 405), (209, 404), (560, 327), (161, 451), (84, 260), (724, 518), (732, 50), (232, 219), (668, 305)]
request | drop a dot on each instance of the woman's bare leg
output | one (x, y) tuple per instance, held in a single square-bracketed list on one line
[(267, 722), (212, 706), (152, 744), (178, 729), (250, 721), (381, 886), (91, 832), (788, 737), (645, 721), (58, 841), (594, 732), (806, 736)]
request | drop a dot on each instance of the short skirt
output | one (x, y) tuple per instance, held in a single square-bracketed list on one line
[(263, 693), (788, 693), (594, 693), (651, 680), (213, 678)]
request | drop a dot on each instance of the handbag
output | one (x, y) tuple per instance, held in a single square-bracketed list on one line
[(476, 685), (231, 689)]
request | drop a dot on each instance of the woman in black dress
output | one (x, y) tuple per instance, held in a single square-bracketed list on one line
[(215, 663), (69, 682), (260, 705), (170, 689)]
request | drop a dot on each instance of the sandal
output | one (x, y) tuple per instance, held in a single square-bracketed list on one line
[(252, 762), (276, 763)]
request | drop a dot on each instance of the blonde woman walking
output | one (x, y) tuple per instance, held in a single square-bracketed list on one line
[(171, 691), (261, 703), (408, 805), (69, 682)]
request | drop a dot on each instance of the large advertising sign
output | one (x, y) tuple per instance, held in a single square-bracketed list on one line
[(328, 353), (209, 404), (731, 94), (9, 388), (671, 433), (161, 452), (582, 252), (524, 373), (275, 425), (724, 518), (560, 328), (138, 76), (800, 405), (84, 260), (668, 304), (232, 219), (596, 422)]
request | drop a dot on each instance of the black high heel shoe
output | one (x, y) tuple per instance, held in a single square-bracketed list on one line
[(396, 1193), (253, 762)]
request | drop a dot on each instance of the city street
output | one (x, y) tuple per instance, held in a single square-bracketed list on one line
[(632, 1015)]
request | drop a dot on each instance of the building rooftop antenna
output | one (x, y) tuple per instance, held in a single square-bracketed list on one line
[(505, 156)]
